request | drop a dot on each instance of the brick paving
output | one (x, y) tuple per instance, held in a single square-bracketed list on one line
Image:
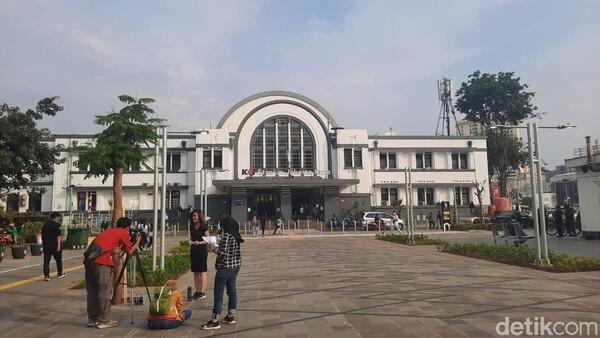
[(334, 287)]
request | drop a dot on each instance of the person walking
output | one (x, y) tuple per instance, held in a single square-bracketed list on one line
[(570, 220), (438, 218), (99, 271), (263, 225), (558, 221), (199, 253), (431, 221), (52, 245), (254, 225), (228, 263), (396, 222)]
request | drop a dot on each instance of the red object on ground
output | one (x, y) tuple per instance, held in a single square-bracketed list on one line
[(502, 204)]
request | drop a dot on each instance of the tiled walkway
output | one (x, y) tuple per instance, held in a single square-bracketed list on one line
[(342, 287)]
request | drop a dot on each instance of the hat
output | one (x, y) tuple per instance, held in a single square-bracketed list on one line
[(172, 284)]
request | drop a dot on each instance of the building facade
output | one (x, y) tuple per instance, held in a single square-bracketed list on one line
[(280, 152)]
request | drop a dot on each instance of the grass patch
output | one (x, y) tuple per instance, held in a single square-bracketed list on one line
[(419, 239), (522, 256)]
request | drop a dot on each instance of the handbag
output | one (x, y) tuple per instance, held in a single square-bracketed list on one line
[(92, 252)]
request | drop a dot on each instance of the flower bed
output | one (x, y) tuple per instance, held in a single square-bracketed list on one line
[(419, 239)]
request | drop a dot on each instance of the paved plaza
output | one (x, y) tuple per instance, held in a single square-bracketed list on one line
[(333, 287)]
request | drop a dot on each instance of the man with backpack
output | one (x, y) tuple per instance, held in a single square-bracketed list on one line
[(99, 268), (167, 308)]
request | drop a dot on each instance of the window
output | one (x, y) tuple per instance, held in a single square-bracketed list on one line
[(173, 162), (352, 158), (424, 160), (389, 196), (358, 158), (347, 158), (218, 159), (206, 159), (86, 201), (173, 199), (387, 161), (425, 196), (462, 195), (459, 161), (35, 201), (282, 143)]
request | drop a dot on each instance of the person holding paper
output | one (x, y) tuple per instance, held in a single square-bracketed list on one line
[(198, 253)]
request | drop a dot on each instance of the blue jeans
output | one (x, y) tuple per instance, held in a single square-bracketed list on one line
[(225, 278), (165, 324)]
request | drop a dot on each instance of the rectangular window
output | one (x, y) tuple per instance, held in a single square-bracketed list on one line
[(393, 195), (425, 196), (459, 161), (462, 195), (358, 158), (383, 161), (173, 199), (86, 201), (206, 159), (270, 144), (424, 160), (384, 196), (387, 161), (173, 162), (347, 158), (218, 159)]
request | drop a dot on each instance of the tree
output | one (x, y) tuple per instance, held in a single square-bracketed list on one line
[(117, 148), (497, 99), (479, 189), (24, 156), (120, 145)]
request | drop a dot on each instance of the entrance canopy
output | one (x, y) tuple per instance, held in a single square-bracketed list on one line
[(292, 182)]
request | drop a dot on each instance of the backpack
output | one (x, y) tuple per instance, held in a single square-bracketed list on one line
[(161, 301)]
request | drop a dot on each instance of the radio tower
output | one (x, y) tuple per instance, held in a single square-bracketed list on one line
[(446, 108)]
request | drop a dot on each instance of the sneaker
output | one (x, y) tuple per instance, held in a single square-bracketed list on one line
[(46, 278), (202, 295), (92, 323), (196, 295), (229, 319), (62, 275), (108, 324), (211, 325)]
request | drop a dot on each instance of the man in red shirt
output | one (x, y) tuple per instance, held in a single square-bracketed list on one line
[(99, 273)]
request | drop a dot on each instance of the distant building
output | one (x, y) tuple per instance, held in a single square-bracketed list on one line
[(588, 185)]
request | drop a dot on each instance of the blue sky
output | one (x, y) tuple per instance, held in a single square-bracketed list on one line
[(372, 64)]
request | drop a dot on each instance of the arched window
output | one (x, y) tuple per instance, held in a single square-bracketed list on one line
[(282, 142)]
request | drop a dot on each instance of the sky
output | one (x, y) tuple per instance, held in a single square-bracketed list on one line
[(371, 64)]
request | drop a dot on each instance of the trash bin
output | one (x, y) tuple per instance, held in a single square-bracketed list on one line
[(77, 238)]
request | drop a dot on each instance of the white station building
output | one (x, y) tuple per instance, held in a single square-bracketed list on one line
[(280, 152)]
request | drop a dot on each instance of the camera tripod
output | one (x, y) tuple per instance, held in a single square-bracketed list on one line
[(136, 260)]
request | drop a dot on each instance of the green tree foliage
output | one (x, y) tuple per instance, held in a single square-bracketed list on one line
[(24, 156), (497, 99), (120, 145)]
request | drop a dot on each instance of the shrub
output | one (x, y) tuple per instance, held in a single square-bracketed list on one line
[(419, 239), (522, 256), (177, 263)]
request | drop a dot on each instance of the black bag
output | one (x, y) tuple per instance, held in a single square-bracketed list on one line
[(92, 252)]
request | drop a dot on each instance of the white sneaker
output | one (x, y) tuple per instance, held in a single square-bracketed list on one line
[(108, 324), (61, 276)]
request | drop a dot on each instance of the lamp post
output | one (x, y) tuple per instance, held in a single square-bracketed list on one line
[(537, 201)]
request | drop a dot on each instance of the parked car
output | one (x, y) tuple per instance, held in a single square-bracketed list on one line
[(387, 218)]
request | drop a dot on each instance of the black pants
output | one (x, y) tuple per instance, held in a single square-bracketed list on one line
[(49, 253), (262, 228)]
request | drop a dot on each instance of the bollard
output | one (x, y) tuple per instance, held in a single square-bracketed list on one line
[(379, 227)]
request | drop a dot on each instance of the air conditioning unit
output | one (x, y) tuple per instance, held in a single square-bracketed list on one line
[(384, 203)]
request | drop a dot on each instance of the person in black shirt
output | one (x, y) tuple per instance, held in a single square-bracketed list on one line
[(52, 245), (198, 253)]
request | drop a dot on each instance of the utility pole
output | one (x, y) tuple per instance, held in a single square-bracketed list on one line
[(163, 198), (542, 212), (155, 207), (534, 208)]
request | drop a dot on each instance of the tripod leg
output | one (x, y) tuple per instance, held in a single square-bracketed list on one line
[(139, 260), (118, 281)]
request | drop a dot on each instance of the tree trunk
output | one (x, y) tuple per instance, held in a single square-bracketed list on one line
[(480, 199), (119, 293)]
